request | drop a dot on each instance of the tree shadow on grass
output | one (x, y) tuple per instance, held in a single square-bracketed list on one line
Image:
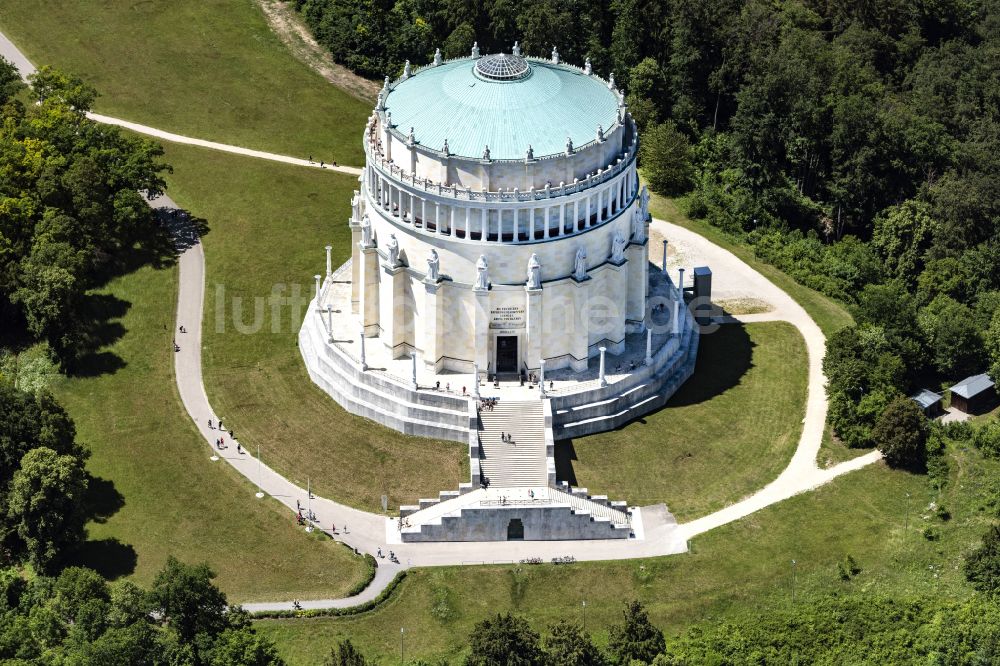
[(109, 557), (98, 317), (98, 327), (102, 500), (724, 357)]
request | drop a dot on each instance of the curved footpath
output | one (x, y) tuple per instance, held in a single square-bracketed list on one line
[(367, 532)]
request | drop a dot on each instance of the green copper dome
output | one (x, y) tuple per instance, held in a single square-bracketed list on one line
[(504, 102)]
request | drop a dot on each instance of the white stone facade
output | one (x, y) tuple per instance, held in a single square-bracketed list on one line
[(562, 239)]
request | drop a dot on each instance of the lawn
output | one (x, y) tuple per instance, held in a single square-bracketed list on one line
[(211, 69), (727, 432), (828, 314), (742, 569), (161, 494), (268, 224)]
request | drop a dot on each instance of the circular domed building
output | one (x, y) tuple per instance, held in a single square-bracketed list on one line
[(499, 233), (502, 224)]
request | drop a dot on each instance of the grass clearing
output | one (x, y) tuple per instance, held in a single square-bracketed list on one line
[(211, 69), (268, 224), (729, 430), (161, 492), (828, 314), (742, 569)]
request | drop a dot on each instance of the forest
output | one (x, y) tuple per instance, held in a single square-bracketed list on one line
[(855, 146)]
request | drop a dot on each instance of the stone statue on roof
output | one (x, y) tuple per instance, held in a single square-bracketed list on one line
[(366, 232), (534, 272), (392, 251), (618, 247), (580, 264), (433, 266), (638, 226), (482, 274)]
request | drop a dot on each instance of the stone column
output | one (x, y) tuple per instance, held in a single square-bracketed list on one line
[(602, 380), (677, 318), (392, 310), (475, 381), (579, 331), (541, 378), (318, 278), (368, 305), (548, 215), (638, 280), (649, 345), (329, 262), (361, 339), (413, 370), (576, 214), (533, 327), (329, 321), (481, 329), (433, 326)]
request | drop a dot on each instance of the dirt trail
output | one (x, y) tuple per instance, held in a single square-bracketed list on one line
[(297, 38)]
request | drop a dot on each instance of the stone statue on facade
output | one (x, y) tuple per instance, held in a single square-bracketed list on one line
[(588, 69), (433, 266), (580, 265), (356, 207), (555, 56), (517, 49), (534, 272), (406, 70), (392, 251), (618, 247), (638, 226), (366, 232), (475, 49), (569, 145), (486, 153), (482, 274), (644, 203)]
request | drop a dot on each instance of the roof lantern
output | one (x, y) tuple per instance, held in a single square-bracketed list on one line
[(502, 67)]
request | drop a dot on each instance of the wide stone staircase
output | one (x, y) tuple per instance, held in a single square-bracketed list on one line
[(520, 462)]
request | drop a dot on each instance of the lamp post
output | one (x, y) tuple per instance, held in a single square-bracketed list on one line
[(318, 278), (664, 256), (402, 632), (584, 615), (906, 521), (260, 491), (309, 511), (364, 362), (329, 265), (649, 345), (793, 582), (603, 380)]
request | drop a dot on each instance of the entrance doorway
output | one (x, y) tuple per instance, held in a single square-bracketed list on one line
[(506, 353), (515, 530)]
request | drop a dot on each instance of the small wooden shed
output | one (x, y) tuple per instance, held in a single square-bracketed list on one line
[(974, 395)]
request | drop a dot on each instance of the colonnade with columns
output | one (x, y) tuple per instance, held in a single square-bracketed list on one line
[(502, 217)]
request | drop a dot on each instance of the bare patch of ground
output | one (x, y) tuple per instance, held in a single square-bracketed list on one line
[(288, 25), (744, 306)]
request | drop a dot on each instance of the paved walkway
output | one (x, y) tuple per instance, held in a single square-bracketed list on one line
[(367, 532)]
